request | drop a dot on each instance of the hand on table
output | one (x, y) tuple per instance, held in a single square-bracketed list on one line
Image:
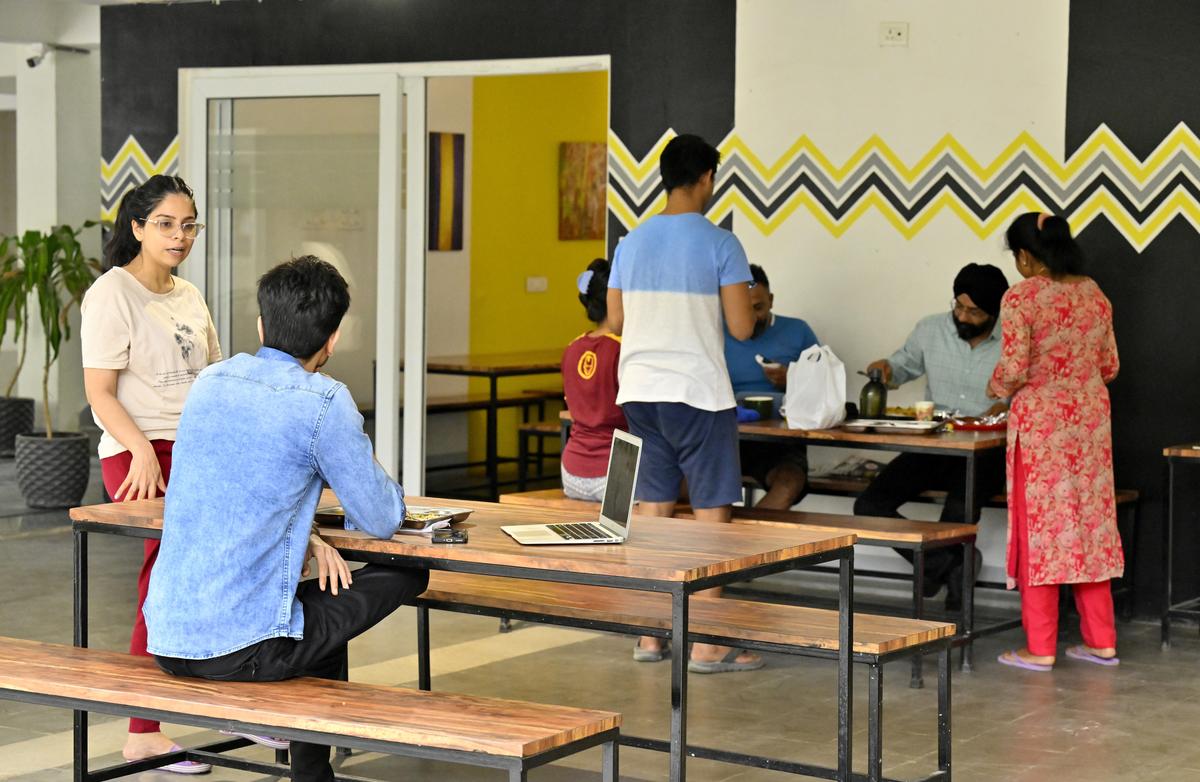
[(144, 480), (330, 564), (997, 409)]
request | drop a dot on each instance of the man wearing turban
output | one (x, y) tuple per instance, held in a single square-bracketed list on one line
[(956, 353)]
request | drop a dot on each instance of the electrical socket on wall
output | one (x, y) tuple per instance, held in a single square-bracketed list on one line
[(536, 284), (893, 33)]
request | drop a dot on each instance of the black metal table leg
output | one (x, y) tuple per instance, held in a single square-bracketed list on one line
[(918, 612), (1168, 544), (522, 460), (80, 718), (875, 723), (493, 466), (845, 662), (970, 501), (679, 660), (967, 654), (610, 770), (423, 678), (944, 711)]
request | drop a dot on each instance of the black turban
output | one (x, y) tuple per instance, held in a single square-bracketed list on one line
[(984, 283)]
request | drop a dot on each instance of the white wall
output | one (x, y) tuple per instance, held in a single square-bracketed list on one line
[(982, 72), (58, 147)]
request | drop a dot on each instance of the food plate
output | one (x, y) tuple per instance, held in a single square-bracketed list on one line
[(975, 425), (886, 426)]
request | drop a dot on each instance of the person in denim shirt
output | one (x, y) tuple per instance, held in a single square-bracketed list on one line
[(258, 436)]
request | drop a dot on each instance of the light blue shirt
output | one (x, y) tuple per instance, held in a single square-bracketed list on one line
[(670, 271), (257, 437), (956, 374)]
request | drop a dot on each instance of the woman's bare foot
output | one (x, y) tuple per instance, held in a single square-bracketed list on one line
[(1039, 659), (139, 746), (1105, 653), (710, 653)]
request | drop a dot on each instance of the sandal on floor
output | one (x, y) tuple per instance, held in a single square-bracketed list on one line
[(1011, 658), (1081, 653), (651, 655), (189, 767), (270, 742), (727, 664)]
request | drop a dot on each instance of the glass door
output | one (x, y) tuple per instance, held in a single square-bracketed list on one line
[(310, 161)]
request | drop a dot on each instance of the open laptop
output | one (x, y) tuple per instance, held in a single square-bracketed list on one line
[(615, 511)]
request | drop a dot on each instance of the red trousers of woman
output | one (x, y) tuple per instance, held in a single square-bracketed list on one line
[(1039, 604), (114, 469)]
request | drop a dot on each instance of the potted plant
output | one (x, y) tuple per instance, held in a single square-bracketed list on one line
[(53, 467), (16, 413)]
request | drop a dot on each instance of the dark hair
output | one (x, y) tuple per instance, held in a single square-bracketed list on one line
[(596, 298), (759, 276), (685, 159), (302, 302), (1051, 244), (138, 204)]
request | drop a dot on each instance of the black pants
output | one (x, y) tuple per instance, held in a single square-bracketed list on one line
[(329, 623), (905, 477)]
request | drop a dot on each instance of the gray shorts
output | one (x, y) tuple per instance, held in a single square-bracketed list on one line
[(577, 488)]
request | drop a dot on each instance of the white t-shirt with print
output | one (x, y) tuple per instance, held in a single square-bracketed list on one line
[(159, 342)]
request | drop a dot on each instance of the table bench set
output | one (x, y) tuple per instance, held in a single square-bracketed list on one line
[(646, 586)]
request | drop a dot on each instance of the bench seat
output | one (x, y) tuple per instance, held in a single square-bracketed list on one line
[(112, 682), (740, 620)]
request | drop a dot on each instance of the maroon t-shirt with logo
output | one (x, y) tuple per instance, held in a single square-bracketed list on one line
[(589, 370)]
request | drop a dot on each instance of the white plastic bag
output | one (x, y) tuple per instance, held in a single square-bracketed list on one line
[(816, 390)]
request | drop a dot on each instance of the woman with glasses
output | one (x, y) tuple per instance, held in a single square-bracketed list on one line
[(146, 334), (1058, 355)]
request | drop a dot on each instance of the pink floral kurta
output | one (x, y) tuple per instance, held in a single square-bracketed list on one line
[(1057, 355)]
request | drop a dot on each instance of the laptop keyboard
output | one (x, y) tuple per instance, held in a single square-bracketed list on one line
[(579, 531)]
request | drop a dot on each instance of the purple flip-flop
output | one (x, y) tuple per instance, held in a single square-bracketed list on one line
[(1081, 653), (1014, 660)]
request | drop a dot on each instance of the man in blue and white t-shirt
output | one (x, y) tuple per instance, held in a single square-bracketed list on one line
[(672, 279)]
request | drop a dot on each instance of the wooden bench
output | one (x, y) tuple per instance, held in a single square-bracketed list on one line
[(772, 627), (917, 536), (460, 729), (460, 403)]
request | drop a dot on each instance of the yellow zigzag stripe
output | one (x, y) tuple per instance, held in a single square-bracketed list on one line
[(131, 148)]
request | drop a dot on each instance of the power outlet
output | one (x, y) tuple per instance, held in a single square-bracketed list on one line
[(893, 33), (536, 284)]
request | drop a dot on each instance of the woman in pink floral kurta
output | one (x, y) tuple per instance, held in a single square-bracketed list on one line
[(1058, 354)]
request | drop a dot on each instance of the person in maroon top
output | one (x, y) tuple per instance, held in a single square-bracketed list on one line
[(589, 370)]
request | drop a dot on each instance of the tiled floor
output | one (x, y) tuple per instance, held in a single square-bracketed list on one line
[(1080, 723)]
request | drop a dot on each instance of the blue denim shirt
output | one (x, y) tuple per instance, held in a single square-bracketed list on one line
[(257, 436)]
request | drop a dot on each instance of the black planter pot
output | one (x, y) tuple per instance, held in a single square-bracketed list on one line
[(53, 473), (16, 417)]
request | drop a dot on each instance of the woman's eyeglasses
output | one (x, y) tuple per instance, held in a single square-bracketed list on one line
[(167, 227)]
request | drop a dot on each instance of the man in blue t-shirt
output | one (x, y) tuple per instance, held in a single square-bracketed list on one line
[(758, 367)]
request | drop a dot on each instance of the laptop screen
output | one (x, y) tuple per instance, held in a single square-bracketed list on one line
[(622, 473)]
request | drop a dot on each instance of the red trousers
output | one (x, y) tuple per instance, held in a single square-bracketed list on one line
[(1039, 604), (114, 469)]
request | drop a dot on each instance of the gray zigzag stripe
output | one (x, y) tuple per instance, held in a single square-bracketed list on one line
[(947, 164)]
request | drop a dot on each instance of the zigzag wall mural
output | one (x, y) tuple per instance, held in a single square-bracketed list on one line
[(130, 167), (1102, 178)]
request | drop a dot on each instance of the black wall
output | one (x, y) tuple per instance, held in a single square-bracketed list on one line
[(1133, 66), (672, 62)]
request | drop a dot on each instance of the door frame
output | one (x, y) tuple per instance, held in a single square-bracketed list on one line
[(403, 162)]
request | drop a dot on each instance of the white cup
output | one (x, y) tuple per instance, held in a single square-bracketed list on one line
[(924, 410)]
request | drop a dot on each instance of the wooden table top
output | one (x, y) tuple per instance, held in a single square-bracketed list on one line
[(668, 550), (950, 441), (430, 719), (532, 362), (1186, 451)]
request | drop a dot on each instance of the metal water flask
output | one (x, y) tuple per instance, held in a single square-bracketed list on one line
[(872, 402)]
